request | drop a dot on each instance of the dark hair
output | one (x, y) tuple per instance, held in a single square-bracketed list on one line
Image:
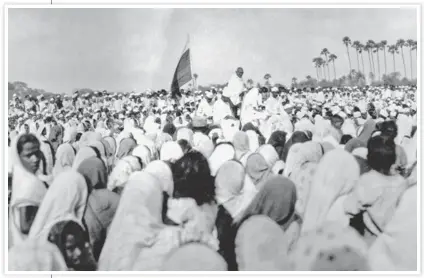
[(26, 138), (345, 138), (170, 129), (77, 138), (389, 129), (192, 178), (278, 140), (381, 153), (185, 145), (57, 234)]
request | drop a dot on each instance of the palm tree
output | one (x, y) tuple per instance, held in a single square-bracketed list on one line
[(410, 44), (294, 81), (401, 43), (355, 45), (414, 47), (383, 44), (367, 49), (333, 57), (347, 42), (393, 49), (195, 80), (315, 61), (325, 52), (308, 77), (322, 65), (360, 50), (377, 48), (371, 45)]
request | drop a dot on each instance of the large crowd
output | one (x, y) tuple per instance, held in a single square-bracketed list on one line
[(240, 178)]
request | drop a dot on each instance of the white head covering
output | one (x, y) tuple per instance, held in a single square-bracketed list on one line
[(171, 151), (221, 154), (330, 182), (66, 199), (136, 224), (27, 190)]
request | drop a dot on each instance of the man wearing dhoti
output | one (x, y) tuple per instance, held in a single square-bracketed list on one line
[(235, 87)]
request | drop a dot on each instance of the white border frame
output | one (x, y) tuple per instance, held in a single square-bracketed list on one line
[(58, 5)]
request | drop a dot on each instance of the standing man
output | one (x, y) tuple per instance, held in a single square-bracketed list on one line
[(231, 93)]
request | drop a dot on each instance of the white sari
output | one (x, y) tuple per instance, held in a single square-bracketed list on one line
[(27, 190), (66, 199)]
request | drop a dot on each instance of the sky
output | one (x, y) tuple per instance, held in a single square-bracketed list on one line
[(60, 50)]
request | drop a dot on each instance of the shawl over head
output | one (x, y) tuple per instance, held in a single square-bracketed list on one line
[(66, 199), (353, 144), (137, 222), (162, 171), (144, 153), (330, 247), (276, 199), (269, 153), (171, 151), (221, 154), (64, 158), (396, 248), (229, 188), (27, 190), (126, 147), (95, 173), (300, 154), (122, 171), (241, 143), (205, 146), (83, 154), (297, 137), (194, 257), (257, 169), (330, 182), (260, 245)]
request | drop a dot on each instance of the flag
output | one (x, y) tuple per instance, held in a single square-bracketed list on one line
[(182, 73)]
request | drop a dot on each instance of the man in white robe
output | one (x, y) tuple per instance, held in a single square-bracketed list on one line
[(250, 109), (235, 87), (205, 108), (273, 104), (220, 110)]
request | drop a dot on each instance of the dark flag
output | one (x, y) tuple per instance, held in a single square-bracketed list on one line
[(182, 74)]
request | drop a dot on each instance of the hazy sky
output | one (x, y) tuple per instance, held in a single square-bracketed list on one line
[(124, 49)]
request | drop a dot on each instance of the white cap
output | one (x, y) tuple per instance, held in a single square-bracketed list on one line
[(274, 89)]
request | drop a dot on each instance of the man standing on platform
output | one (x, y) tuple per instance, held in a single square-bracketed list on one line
[(231, 93)]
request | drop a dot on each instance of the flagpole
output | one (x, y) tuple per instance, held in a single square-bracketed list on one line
[(191, 65)]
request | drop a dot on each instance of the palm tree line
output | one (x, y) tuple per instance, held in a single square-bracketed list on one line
[(374, 49), (322, 62)]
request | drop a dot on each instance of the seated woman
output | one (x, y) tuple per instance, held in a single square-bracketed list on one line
[(377, 192), (73, 243), (27, 189)]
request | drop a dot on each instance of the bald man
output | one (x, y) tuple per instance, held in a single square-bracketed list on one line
[(235, 87)]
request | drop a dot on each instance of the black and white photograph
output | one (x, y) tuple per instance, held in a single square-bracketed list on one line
[(175, 138)]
